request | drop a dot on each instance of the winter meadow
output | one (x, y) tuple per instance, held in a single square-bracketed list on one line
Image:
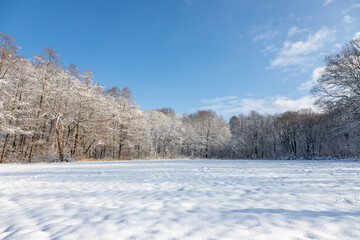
[(81, 160)]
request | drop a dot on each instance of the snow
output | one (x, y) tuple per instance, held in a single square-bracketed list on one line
[(181, 199)]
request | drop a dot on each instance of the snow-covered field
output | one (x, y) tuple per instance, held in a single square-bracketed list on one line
[(182, 199)]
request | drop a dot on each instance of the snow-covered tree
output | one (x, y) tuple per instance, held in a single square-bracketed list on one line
[(212, 132)]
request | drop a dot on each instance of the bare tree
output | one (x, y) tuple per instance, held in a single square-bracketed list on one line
[(338, 88)]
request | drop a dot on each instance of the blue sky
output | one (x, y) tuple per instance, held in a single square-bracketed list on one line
[(231, 56)]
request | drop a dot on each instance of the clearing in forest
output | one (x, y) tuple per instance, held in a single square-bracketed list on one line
[(181, 199)]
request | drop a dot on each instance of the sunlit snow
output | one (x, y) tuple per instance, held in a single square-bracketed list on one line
[(181, 199)]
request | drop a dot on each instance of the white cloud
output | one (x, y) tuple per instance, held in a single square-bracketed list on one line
[(348, 19), (282, 104), (302, 53), (269, 105), (327, 2), (218, 99), (356, 35), (356, 5), (304, 18), (270, 49), (308, 85), (266, 35), (296, 30)]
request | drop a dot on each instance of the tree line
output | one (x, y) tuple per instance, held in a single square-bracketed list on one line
[(49, 112)]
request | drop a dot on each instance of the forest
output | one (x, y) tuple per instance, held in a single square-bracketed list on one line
[(52, 112)]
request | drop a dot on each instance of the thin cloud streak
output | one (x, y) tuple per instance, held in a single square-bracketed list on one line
[(268, 105), (327, 2)]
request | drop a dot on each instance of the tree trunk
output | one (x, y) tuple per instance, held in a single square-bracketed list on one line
[(207, 145), (22, 143), (32, 149), (58, 137), (73, 153), (89, 147), (4, 149), (14, 142), (120, 149)]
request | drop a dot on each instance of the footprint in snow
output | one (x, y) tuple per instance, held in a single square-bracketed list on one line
[(349, 200)]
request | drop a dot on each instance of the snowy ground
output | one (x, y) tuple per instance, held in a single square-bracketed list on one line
[(184, 199)]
